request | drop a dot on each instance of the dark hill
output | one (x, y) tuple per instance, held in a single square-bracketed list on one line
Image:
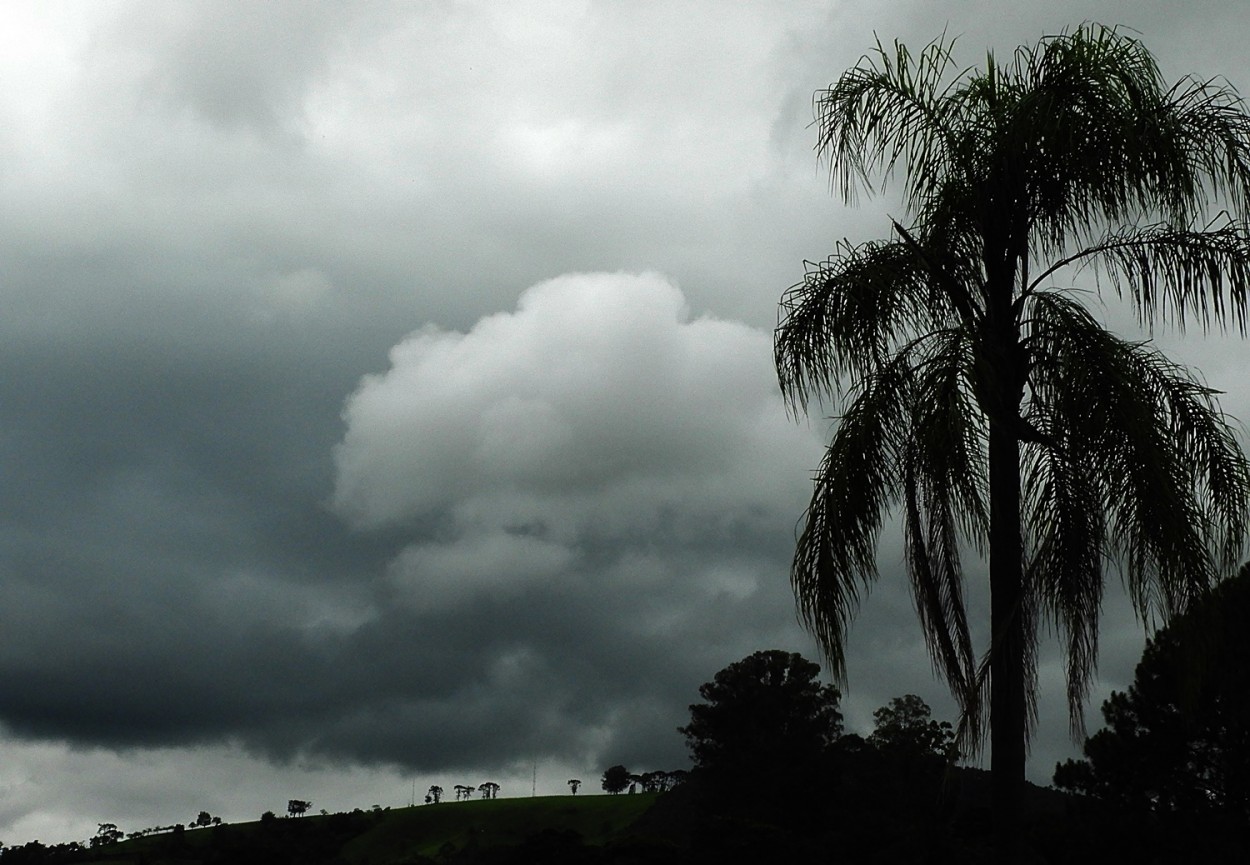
[(563, 828)]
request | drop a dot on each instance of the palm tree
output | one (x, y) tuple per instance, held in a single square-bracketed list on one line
[(979, 398)]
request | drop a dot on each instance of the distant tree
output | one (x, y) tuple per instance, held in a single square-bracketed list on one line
[(31, 851), (203, 819), (906, 728), (268, 817), (763, 712), (107, 834), (658, 781), (574, 783), (766, 727), (489, 790), (435, 794), (297, 807), (461, 791), (672, 778), (615, 779), (1178, 741)]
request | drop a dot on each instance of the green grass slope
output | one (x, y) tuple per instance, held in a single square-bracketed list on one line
[(429, 829), (385, 837)]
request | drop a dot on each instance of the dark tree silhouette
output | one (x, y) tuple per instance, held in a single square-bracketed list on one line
[(297, 807), (767, 710), (107, 834), (434, 795), (766, 728), (574, 783), (906, 728), (615, 779), (1178, 741), (979, 398), (489, 790)]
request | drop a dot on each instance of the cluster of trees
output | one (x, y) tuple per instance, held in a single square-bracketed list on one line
[(487, 789), (37, 853), (618, 779), (297, 807), (775, 771), (1173, 760), (768, 723), (770, 713), (1168, 776), (107, 834)]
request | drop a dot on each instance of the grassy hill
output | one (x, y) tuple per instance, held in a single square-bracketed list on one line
[(387, 837), (429, 829)]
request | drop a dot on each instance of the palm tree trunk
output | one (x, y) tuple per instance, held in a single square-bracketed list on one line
[(1007, 699)]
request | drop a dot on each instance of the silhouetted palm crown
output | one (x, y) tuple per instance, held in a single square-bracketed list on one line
[(976, 395)]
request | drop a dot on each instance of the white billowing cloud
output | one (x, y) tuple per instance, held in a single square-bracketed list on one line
[(598, 416), (433, 575), (597, 380)]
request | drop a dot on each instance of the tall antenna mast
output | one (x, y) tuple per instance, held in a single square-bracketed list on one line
[(534, 781)]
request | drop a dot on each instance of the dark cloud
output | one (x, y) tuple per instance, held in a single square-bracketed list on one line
[(595, 485)]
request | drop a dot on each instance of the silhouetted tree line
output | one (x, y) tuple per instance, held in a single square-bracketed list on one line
[(618, 779), (776, 777), (1167, 780), (1168, 777), (775, 774), (487, 789)]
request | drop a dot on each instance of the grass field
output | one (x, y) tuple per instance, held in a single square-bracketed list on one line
[(426, 829), (394, 835)]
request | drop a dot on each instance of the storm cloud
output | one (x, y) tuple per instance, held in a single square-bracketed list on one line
[(386, 390)]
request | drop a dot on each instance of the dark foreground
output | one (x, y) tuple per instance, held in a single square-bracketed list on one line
[(871, 815)]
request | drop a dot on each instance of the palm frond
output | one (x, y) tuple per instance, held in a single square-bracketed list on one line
[(945, 496), (1066, 527), (885, 110), (1212, 143), (1174, 274), (848, 315), (856, 485), (1101, 141), (1158, 452)]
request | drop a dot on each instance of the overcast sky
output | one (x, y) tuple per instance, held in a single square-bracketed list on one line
[(386, 392)]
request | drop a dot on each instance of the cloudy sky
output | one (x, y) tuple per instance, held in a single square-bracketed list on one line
[(386, 392)]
